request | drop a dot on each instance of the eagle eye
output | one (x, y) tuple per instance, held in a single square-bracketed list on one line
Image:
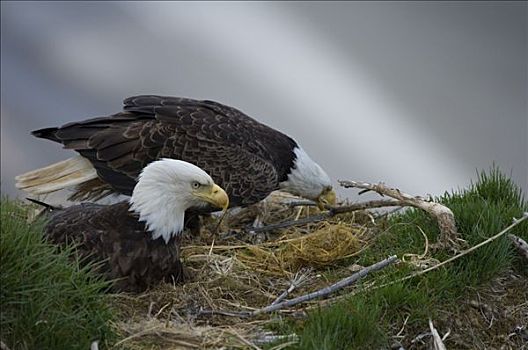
[(196, 184)]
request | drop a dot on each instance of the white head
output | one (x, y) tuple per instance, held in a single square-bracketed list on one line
[(168, 187), (307, 179)]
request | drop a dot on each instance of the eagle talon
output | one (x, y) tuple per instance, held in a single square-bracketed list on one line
[(326, 199)]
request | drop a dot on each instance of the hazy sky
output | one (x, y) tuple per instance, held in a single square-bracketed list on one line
[(419, 95)]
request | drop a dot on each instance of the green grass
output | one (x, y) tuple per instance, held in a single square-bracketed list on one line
[(365, 320), (343, 326), (47, 301)]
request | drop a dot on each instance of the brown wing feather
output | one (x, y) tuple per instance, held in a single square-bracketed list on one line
[(245, 157), (113, 238)]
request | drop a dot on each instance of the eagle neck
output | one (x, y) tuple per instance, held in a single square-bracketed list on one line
[(162, 213), (306, 178)]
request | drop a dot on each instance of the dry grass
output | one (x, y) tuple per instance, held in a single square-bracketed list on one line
[(237, 271), (479, 300), (230, 272), (496, 313)]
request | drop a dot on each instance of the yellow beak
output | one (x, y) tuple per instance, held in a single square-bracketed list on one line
[(326, 198), (216, 196)]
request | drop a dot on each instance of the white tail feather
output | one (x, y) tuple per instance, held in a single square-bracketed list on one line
[(57, 176)]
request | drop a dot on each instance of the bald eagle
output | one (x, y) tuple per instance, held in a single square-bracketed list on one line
[(137, 241), (248, 159)]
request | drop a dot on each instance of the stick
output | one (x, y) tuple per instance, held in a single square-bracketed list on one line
[(303, 221), (331, 213), (437, 341), (298, 280), (284, 294), (520, 244), (443, 215), (327, 290), (467, 251), (307, 297), (271, 338), (461, 254), (300, 204), (224, 313), (136, 335), (241, 338)]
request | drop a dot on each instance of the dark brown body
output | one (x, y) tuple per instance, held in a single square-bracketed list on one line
[(244, 157), (113, 236)]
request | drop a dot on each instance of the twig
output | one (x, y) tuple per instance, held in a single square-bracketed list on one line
[(520, 244), (446, 335), (403, 327), (426, 248), (272, 338), (3, 346), (307, 297), (303, 221), (241, 338), (419, 337), (437, 341), (328, 290), (453, 258), (328, 214), (284, 345), (387, 213), (300, 204), (284, 294), (136, 335), (149, 311), (380, 203), (465, 252), (224, 313), (298, 280), (443, 215)]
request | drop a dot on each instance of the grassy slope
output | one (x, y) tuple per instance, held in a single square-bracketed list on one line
[(47, 302), (367, 319)]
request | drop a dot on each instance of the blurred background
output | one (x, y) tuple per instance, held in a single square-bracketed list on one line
[(420, 95)]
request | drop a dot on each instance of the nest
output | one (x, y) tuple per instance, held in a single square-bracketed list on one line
[(229, 271), (326, 245)]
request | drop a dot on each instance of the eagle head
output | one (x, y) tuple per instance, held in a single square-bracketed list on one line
[(166, 188)]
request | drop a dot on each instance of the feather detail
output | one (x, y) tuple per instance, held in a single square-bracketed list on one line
[(118, 243), (245, 157), (57, 176)]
